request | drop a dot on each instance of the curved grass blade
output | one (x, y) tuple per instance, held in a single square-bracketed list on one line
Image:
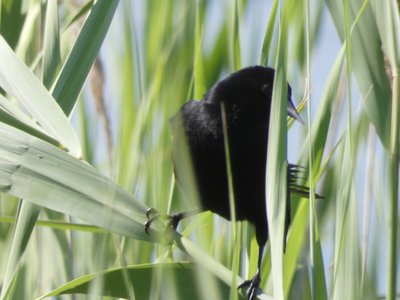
[(59, 225), (180, 278), (80, 14), (49, 177), (82, 56), (367, 64), (25, 223), (17, 80), (12, 121)]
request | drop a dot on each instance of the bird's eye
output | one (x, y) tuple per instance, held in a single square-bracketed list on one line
[(266, 89)]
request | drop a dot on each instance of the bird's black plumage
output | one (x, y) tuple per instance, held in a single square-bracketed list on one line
[(246, 96)]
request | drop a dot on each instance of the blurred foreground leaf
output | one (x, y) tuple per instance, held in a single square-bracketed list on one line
[(48, 176), (177, 279)]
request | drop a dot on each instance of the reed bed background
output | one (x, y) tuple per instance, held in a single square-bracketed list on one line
[(87, 89)]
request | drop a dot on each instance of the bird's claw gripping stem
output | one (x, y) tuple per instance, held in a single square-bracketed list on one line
[(254, 286), (173, 220)]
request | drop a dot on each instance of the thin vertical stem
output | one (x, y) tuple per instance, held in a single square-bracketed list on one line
[(311, 201), (394, 188), (235, 56), (234, 254), (367, 202), (228, 167)]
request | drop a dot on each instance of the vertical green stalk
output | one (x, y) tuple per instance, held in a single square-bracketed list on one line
[(311, 201), (264, 56), (348, 64), (392, 22), (366, 214), (346, 277), (235, 64), (199, 78), (228, 167), (235, 57), (394, 188), (276, 169), (51, 44), (234, 254), (318, 281)]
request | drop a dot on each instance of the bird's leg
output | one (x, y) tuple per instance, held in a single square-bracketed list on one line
[(254, 283), (173, 220)]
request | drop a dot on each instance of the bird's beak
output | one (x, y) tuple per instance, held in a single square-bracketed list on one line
[(291, 111)]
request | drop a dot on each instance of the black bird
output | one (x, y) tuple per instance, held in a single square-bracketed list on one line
[(246, 96)]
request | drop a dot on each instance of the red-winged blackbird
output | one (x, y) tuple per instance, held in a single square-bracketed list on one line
[(246, 96)]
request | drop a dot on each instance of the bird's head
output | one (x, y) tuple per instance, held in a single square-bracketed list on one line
[(249, 91)]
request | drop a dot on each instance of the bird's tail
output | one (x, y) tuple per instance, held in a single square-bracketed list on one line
[(295, 173)]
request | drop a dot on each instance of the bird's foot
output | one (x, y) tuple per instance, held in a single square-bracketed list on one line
[(253, 286), (172, 220)]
